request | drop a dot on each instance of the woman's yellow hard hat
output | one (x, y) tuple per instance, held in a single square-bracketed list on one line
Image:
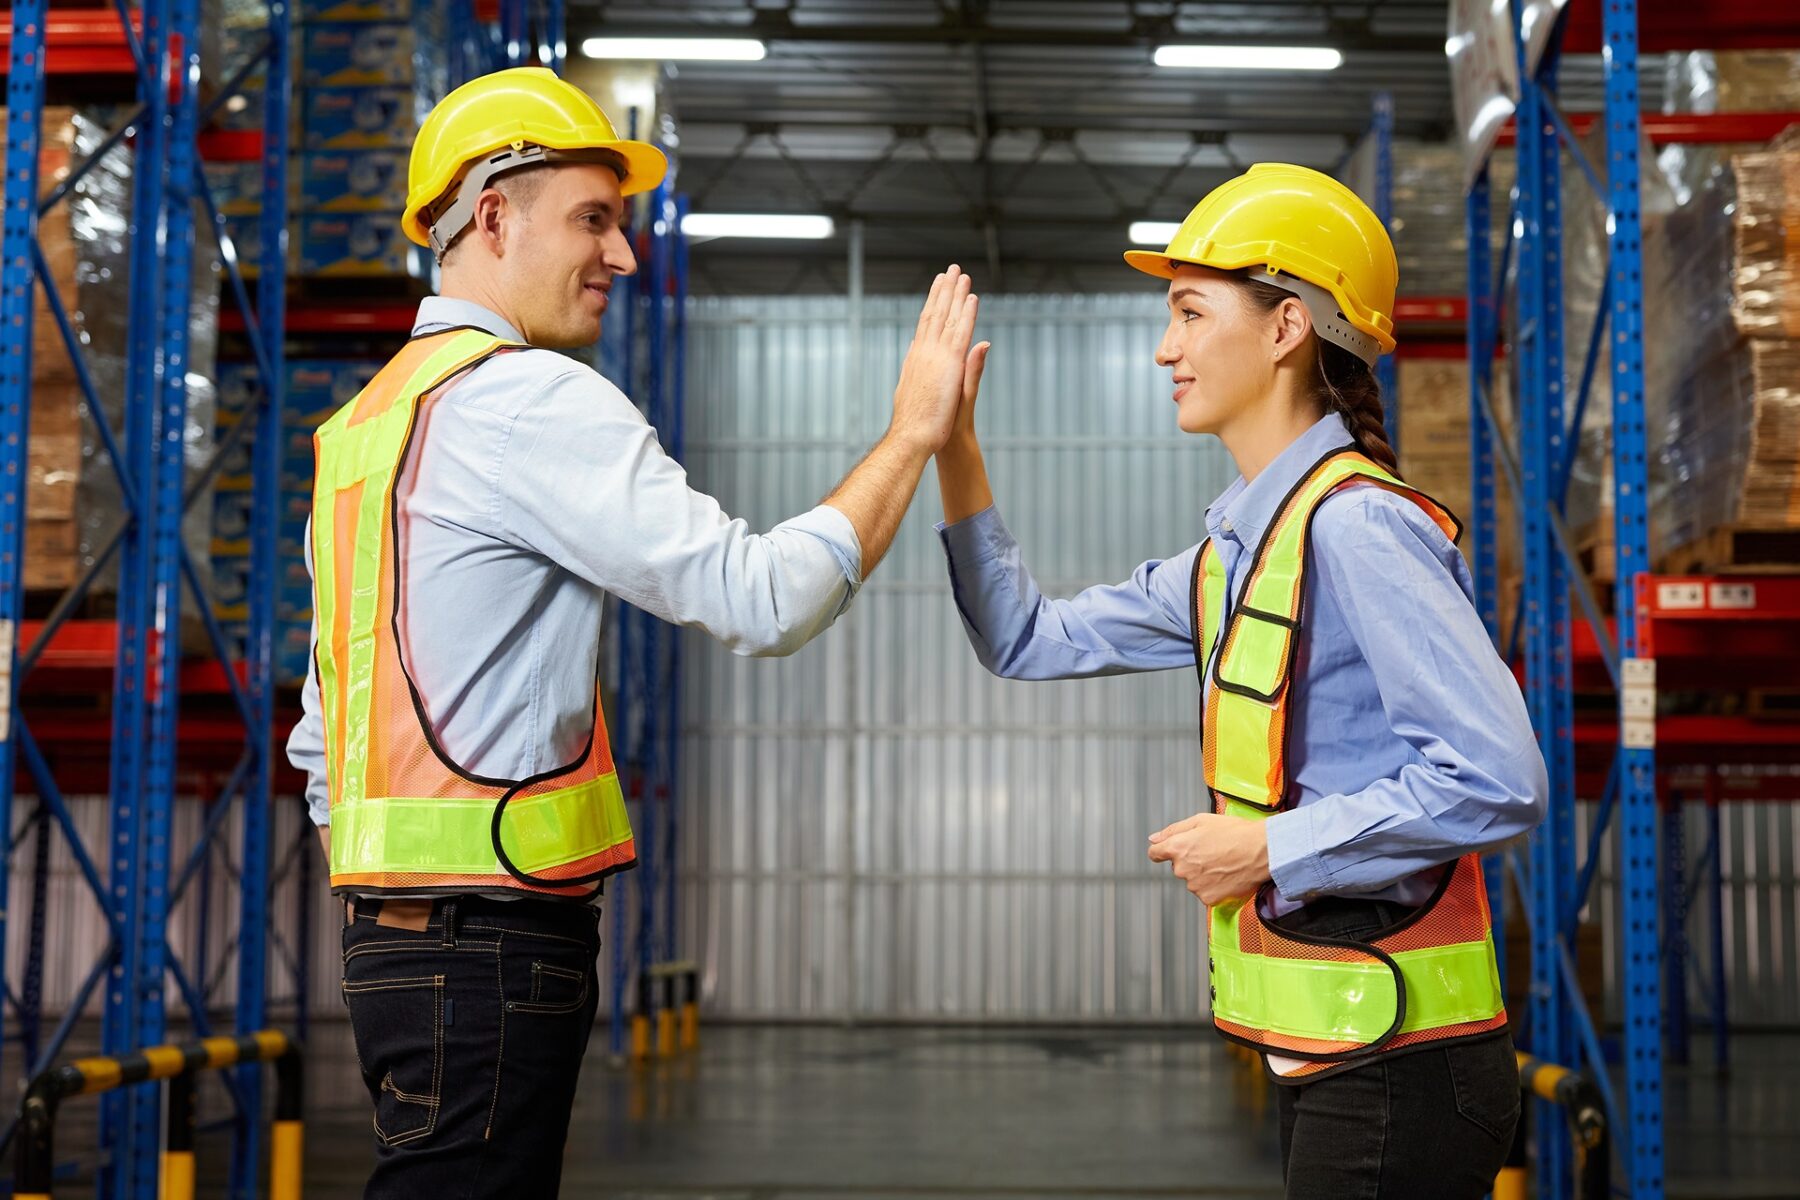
[(1296, 222), (527, 111)]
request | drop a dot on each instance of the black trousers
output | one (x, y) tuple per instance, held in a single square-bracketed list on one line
[(470, 1034), (1435, 1122)]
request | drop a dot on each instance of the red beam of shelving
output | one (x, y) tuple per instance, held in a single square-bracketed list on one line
[(231, 145), (78, 42), (1688, 129), (1665, 25), (379, 316)]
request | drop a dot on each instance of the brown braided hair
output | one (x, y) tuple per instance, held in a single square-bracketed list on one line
[(1345, 384)]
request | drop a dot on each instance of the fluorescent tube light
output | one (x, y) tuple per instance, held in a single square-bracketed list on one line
[(672, 49), (1250, 58), (1153, 233), (757, 225)]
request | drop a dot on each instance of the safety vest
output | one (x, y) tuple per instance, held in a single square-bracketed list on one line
[(1431, 977), (405, 818)]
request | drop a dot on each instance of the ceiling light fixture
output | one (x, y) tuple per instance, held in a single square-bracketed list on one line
[(675, 49), (758, 225), (1153, 233), (1250, 58)]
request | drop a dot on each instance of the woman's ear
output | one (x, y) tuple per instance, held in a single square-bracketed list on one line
[(1292, 324)]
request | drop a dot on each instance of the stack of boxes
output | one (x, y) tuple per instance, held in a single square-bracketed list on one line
[(52, 533), (316, 388), (365, 73), (1434, 449)]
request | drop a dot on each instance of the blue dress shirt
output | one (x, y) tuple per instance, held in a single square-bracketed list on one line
[(1409, 746)]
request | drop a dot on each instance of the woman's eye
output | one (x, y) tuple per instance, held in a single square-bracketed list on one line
[(1187, 316)]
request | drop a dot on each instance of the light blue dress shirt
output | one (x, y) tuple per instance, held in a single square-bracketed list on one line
[(1410, 744), (534, 489)]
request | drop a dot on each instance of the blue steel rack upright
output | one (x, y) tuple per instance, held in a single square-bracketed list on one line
[(1558, 1027), (647, 706), (136, 892)]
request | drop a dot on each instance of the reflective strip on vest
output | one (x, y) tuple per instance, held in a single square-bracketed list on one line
[(416, 834), (355, 478), (1328, 1001), (1247, 722), (1286, 993)]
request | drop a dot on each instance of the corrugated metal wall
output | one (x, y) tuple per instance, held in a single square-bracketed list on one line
[(876, 827)]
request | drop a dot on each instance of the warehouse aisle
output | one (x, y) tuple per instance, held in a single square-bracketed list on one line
[(772, 1112)]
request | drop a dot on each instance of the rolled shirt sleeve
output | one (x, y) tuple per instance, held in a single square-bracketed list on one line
[(1017, 632), (1478, 780), (584, 482)]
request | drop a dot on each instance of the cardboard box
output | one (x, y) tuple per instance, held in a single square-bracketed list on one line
[(52, 556), (356, 54), (355, 10), (354, 244), (368, 118), (236, 187), (353, 180)]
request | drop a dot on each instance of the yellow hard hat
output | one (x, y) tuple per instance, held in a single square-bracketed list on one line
[(500, 122), (1295, 223)]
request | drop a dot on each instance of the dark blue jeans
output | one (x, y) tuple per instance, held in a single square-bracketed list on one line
[(1435, 1122), (470, 1035)]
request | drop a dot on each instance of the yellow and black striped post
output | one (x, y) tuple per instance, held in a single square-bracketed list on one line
[(35, 1157), (1580, 1098), (690, 1007), (640, 1020)]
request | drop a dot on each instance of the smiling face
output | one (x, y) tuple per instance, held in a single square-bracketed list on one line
[(563, 247), (1222, 352)]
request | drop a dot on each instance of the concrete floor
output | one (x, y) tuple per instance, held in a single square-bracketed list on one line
[(770, 1113)]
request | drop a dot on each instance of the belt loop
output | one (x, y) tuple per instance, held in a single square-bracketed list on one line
[(449, 925)]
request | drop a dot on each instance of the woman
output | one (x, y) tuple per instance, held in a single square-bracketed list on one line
[(1362, 742)]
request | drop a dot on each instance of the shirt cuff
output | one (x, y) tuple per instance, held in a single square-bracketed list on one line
[(977, 538), (1294, 863), (833, 528)]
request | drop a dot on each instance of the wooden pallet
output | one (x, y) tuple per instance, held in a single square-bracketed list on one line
[(1738, 549)]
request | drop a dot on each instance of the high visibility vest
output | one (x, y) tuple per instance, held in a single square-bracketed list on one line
[(1336, 1003), (405, 818)]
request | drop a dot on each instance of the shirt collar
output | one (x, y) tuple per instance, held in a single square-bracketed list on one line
[(444, 312), (1244, 510)]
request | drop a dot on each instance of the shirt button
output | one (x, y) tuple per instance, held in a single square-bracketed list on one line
[(1226, 525)]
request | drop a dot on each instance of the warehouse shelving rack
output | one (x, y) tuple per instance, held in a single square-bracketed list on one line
[(1666, 631), (647, 358), (150, 750), (131, 877)]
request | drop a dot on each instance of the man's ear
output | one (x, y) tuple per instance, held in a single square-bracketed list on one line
[(491, 215)]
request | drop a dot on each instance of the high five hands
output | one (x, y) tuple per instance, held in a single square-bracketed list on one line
[(1218, 858), (938, 365)]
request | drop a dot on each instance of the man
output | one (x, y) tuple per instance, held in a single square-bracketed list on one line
[(473, 507)]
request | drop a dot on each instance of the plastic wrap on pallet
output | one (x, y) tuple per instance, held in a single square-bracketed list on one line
[(1428, 224), (1717, 81), (1585, 255), (1722, 378), (99, 219)]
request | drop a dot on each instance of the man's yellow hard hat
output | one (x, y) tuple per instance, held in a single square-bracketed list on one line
[(1295, 222), (500, 122)]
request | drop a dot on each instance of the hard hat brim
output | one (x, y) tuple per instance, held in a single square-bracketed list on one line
[(1163, 265), (645, 167)]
